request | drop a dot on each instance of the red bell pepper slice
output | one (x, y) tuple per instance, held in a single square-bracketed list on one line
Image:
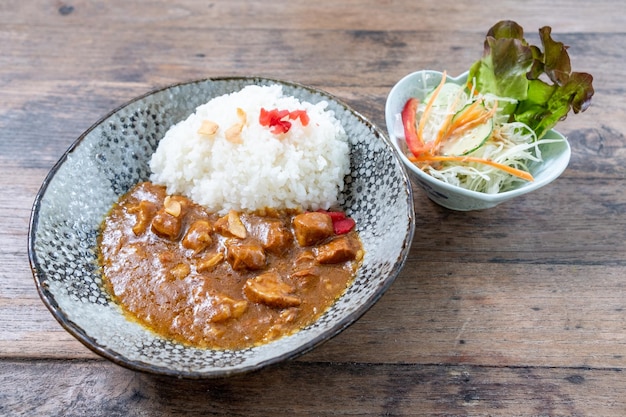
[(334, 215), (281, 126), (409, 116), (275, 119), (343, 226), (300, 114)]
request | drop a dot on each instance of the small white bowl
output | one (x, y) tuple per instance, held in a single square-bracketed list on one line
[(555, 155)]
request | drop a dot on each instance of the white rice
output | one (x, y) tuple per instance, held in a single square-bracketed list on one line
[(303, 168)]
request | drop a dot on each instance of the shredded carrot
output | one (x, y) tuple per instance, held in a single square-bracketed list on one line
[(441, 158), (445, 127), (468, 121), (429, 105), (473, 115), (471, 112)]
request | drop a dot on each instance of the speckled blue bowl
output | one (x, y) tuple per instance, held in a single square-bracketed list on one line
[(112, 156)]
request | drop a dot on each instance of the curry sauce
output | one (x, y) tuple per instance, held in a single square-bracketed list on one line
[(223, 281)]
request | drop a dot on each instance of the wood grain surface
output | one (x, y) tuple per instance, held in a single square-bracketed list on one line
[(519, 310)]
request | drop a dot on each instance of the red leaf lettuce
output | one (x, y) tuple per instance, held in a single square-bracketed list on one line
[(541, 82)]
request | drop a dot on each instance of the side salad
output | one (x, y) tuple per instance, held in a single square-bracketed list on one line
[(485, 135)]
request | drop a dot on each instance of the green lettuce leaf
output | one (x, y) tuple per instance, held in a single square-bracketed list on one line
[(540, 80)]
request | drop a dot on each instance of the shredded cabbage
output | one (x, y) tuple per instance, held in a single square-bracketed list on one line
[(513, 144)]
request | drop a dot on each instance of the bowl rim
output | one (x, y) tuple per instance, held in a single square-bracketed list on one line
[(400, 87), (91, 342)]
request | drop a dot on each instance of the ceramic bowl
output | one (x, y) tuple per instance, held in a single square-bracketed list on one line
[(113, 155), (555, 155)]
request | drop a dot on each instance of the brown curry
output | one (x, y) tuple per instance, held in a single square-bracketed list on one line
[(223, 282)]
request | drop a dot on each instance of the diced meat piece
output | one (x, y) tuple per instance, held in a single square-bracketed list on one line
[(226, 308), (168, 221), (221, 226), (286, 316), (271, 290), (312, 228), (337, 250), (305, 277), (214, 307), (211, 332), (246, 256), (166, 257), (208, 262), (231, 225), (180, 271), (144, 212), (306, 258), (166, 225), (276, 238), (198, 236)]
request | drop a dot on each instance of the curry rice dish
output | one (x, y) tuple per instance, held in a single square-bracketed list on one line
[(231, 279)]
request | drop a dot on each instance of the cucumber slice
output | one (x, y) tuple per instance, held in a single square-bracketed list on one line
[(447, 95), (451, 98), (469, 141)]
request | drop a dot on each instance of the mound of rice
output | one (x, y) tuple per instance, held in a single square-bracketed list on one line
[(303, 168)]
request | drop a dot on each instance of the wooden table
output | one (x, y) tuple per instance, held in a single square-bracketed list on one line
[(519, 310)]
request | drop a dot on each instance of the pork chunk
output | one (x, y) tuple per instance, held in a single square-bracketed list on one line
[(211, 307), (246, 256), (276, 238), (208, 262), (144, 212), (166, 225), (271, 290), (198, 236), (231, 225), (306, 277), (337, 250), (312, 228)]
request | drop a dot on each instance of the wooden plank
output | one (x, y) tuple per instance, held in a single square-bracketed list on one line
[(437, 312), (378, 58), (55, 106), (322, 15), (95, 388), (518, 310), (503, 314)]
